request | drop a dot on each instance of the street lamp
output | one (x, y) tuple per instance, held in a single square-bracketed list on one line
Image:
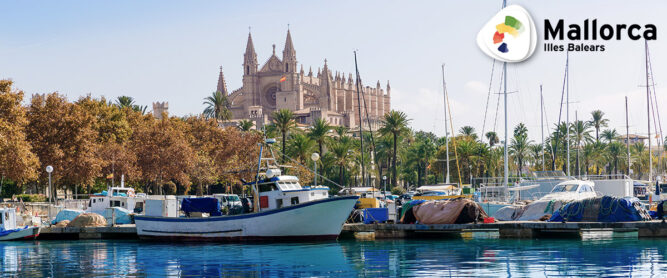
[(315, 157), (384, 181), (49, 169)]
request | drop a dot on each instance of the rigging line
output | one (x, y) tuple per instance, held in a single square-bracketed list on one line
[(305, 167), (451, 124), (546, 123), (488, 96), (655, 97), (370, 129), (500, 86)]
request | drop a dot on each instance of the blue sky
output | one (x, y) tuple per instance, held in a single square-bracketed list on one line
[(171, 51)]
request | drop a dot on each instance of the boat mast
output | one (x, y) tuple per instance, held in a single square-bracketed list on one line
[(567, 109), (576, 123), (361, 135), (542, 123), (648, 113), (506, 166), (627, 134), (444, 95)]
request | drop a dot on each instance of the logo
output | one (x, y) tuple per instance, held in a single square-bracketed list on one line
[(510, 35)]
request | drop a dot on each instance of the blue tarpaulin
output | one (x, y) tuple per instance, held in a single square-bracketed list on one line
[(602, 209), (122, 215), (208, 205), (66, 214), (375, 215)]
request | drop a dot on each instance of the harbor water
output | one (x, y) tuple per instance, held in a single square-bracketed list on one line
[(490, 257)]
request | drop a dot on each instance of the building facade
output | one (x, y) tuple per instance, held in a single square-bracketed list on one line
[(281, 83)]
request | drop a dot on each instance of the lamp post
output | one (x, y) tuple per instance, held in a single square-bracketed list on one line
[(49, 169), (384, 181), (315, 157)]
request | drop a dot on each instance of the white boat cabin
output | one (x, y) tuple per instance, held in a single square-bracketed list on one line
[(572, 190), (277, 191), (123, 197), (8, 219)]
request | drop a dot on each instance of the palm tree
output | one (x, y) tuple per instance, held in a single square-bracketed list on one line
[(124, 101), (246, 125), (638, 150), (581, 134), (597, 122), (300, 147), (468, 131), (394, 123), (341, 131), (536, 153), (615, 152), (217, 107), (519, 149), (283, 120), (609, 135), (520, 130), (492, 137), (341, 150), (319, 132)]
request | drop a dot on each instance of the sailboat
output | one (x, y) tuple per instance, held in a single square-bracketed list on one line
[(285, 211)]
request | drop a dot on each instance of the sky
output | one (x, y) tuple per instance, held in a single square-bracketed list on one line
[(172, 50)]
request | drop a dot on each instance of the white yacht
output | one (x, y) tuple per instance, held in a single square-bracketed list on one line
[(571, 190)]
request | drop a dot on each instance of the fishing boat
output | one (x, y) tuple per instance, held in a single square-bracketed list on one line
[(9, 231), (285, 210)]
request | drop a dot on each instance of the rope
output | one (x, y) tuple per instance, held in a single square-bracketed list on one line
[(456, 155)]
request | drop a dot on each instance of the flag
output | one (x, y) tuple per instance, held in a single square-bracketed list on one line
[(110, 176), (282, 79)]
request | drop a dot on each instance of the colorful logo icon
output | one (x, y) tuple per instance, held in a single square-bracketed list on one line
[(510, 36)]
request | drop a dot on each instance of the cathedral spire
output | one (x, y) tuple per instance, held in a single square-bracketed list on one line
[(289, 47), (250, 58), (222, 84)]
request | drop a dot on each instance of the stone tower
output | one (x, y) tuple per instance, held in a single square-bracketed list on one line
[(250, 69), (159, 108)]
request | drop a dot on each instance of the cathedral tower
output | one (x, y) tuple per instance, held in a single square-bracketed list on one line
[(250, 71)]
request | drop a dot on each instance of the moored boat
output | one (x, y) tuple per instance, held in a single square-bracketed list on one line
[(284, 211), (9, 230)]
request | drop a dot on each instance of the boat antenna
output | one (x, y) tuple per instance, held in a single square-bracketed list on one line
[(444, 95), (361, 135)]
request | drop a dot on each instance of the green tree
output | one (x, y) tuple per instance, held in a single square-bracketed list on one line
[(396, 124), (246, 125), (609, 135), (217, 107), (283, 119), (492, 137), (319, 133), (300, 147), (519, 149), (598, 121), (468, 131)]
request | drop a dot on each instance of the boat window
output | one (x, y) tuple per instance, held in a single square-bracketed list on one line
[(267, 187), (6, 215), (565, 188), (279, 203), (295, 200), (93, 200)]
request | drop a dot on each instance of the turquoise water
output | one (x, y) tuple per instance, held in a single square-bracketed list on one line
[(477, 257)]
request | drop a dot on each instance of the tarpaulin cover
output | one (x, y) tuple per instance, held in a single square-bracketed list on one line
[(207, 204), (602, 209), (530, 212), (443, 212), (122, 215), (66, 214), (375, 215), (4, 233)]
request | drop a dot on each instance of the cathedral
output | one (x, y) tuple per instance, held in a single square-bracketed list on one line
[(279, 84)]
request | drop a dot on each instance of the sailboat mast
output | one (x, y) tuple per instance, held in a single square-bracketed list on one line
[(361, 135), (542, 123), (576, 123), (648, 114), (444, 94), (627, 134), (505, 157), (567, 109)]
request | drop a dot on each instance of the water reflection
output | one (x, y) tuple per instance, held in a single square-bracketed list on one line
[(475, 257)]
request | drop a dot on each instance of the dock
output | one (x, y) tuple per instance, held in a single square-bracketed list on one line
[(71, 233), (509, 229)]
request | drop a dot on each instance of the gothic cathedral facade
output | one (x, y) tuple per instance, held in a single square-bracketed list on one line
[(277, 84)]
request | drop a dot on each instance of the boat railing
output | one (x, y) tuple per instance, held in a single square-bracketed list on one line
[(605, 177)]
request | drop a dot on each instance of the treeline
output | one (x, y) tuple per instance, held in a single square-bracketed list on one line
[(91, 142)]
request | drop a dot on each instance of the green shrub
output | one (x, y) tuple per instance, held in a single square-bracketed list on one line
[(398, 190), (32, 197)]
